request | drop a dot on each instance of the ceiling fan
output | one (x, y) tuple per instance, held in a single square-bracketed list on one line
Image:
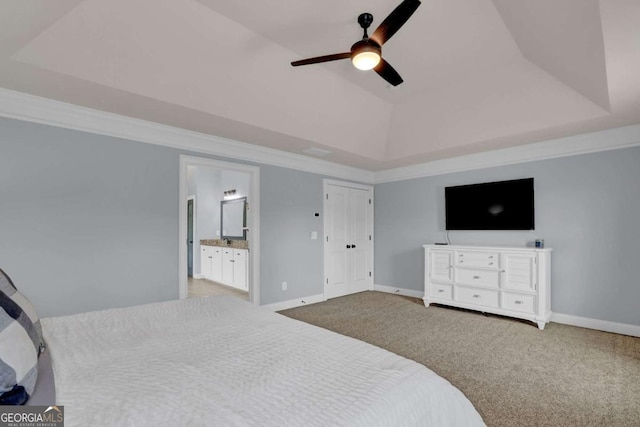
[(366, 54)]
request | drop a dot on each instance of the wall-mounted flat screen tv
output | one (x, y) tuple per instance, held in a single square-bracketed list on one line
[(503, 205)]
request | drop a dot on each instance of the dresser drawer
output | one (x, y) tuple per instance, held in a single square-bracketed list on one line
[(477, 259), (440, 265), (484, 297), (471, 276), (518, 302), (441, 291)]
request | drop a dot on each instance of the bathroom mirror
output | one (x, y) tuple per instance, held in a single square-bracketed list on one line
[(233, 219)]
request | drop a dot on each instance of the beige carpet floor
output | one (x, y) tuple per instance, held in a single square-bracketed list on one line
[(513, 373)]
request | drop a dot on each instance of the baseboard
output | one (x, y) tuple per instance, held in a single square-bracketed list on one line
[(398, 291), (601, 325), (198, 276), (284, 305)]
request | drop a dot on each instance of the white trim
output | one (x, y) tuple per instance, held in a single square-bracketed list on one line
[(398, 291), (195, 237), (284, 305), (253, 221), (347, 184), (610, 139), (601, 325), (31, 108)]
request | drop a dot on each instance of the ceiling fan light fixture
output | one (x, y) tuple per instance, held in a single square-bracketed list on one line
[(366, 60), (364, 55)]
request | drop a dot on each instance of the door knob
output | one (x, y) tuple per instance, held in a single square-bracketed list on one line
[(353, 246), (348, 246)]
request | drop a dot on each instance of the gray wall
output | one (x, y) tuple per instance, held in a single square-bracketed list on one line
[(90, 222), (287, 207), (208, 190), (587, 210), (86, 221)]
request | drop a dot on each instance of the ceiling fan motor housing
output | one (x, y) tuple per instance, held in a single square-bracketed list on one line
[(365, 20), (367, 45)]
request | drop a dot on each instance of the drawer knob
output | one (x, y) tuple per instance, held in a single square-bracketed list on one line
[(519, 302), (476, 277), (490, 263), (461, 261), (491, 257), (476, 296), (440, 290)]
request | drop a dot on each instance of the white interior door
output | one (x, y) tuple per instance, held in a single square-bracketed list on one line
[(358, 256), (348, 239), (336, 239)]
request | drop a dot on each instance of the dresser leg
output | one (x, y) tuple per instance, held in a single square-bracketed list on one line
[(426, 303), (541, 325)]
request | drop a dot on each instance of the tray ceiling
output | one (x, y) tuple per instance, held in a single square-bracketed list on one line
[(478, 74)]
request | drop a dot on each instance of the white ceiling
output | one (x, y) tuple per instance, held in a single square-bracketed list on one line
[(478, 74)]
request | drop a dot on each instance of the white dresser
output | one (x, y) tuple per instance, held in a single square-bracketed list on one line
[(508, 281)]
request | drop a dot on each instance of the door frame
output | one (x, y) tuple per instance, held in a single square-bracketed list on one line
[(325, 209), (195, 232), (253, 220)]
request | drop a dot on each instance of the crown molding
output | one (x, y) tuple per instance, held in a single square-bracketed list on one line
[(610, 139), (31, 108)]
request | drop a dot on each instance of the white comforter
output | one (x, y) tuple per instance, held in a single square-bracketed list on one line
[(219, 361)]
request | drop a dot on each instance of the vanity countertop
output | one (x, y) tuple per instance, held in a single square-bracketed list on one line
[(237, 244)]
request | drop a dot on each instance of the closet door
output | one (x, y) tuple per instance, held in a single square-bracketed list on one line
[(358, 256), (336, 240), (348, 239)]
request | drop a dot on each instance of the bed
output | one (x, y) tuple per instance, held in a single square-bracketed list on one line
[(222, 361)]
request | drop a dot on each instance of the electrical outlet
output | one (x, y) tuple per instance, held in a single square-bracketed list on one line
[(284, 286)]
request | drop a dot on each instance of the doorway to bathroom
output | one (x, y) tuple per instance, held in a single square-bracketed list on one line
[(219, 228)]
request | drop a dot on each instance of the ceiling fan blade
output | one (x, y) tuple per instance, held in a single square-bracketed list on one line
[(394, 21), (387, 72), (319, 59)]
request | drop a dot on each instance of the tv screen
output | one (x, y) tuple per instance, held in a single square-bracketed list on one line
[(504, 205)]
